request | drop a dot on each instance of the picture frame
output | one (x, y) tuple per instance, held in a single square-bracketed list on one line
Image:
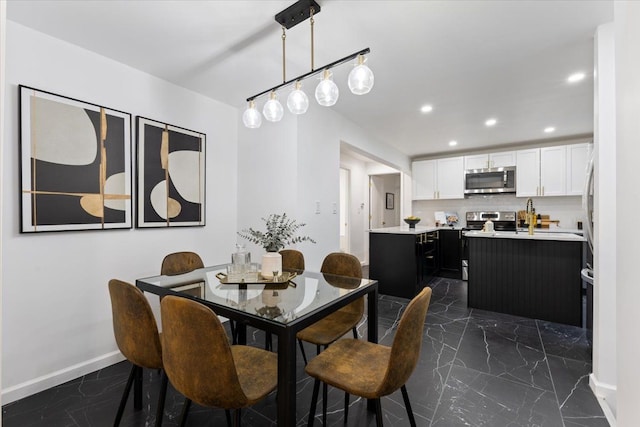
[(171, 175), (389, 200), (75, 164)]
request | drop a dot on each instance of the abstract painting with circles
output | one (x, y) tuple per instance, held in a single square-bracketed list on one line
[(75, 164), (171, 175)]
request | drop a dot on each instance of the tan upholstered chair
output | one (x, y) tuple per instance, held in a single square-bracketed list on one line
[(136, 333), (292, 260), (202, 365), (370, 370), (337, 324), (180, 263)]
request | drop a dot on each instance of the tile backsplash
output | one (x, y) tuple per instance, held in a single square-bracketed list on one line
[(566, 209)]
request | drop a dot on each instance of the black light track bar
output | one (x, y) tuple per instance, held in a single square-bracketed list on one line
[(313, 72), (297, 12)]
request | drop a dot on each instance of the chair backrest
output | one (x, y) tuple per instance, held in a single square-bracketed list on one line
[(407, 342), (292, 259), (134, 325), (197, 356), (342, 264), (180, 263)]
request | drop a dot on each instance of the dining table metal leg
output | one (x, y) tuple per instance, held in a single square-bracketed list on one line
[(372, 329), (286, 398)]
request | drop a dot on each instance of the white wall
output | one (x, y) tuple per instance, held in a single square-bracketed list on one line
[(56, 313), (627, 38), (604, 377), (309, 149), (3, 34)]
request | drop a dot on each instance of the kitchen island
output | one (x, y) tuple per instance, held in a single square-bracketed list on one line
[(536, 276), (403, 260)]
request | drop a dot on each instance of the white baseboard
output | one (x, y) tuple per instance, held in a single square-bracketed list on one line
[(606, 395), (36, 385)]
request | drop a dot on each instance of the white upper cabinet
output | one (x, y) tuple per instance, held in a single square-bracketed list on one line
[(502, 159), (438, 179), (577, 157), (424, 179), (450, 178), (491, 160), (476, 161), (528, 172), (553, 171), (546, 171)]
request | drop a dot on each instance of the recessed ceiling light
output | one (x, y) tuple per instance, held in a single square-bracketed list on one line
[(575, 77), (491, 122), (426, 108), (453, 143), (549, 129)]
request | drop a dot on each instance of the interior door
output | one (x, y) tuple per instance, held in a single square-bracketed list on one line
[(376, 202)]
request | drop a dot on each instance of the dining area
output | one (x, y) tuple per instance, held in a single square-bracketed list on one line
[(256, 356)]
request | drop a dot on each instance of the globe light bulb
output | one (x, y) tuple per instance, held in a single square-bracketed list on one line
[(327, 92), (360, 78), (272, 109), (298, 102), (251, 117)]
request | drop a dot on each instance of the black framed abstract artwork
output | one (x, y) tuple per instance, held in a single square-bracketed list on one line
[(171, 175), (75, 164)]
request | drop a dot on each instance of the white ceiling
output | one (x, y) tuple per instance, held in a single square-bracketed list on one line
[(471, 60)]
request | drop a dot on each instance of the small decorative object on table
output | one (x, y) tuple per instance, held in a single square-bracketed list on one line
[(281, 231), (412, 221)]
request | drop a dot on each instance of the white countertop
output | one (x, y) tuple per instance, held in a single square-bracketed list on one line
[(525, 236), (404, 229)]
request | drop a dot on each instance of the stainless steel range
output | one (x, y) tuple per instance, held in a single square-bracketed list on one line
[(502, 221)]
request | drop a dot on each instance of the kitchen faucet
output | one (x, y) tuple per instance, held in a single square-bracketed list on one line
[(530, 216)]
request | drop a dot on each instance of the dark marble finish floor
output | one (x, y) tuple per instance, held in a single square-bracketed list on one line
[(477, 368)]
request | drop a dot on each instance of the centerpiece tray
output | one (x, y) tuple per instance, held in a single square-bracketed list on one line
[(282, 281)]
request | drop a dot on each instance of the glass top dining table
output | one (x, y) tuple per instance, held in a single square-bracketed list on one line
[(280, 308)]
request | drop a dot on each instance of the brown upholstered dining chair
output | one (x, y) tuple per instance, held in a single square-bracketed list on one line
[(185, 262), (180, 263), (202, 365), (370, 370), (337, 324), (136, 333), (292, 260)]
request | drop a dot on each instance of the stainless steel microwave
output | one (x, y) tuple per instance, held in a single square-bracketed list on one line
[(490, 181)]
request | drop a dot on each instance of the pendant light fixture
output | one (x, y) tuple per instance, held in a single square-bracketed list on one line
[(251, 117), (360, 80), (272, 109), (298, 101), (327, 91)]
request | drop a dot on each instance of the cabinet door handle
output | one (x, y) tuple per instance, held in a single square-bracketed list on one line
[(429, 256)]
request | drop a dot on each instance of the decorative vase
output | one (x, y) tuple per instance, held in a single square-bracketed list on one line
[(271, 261)]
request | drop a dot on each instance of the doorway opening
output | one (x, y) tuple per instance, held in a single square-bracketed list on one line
[(357, 172), (384, 200)]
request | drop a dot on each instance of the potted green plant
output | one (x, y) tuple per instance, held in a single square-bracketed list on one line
[(280, 231)]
